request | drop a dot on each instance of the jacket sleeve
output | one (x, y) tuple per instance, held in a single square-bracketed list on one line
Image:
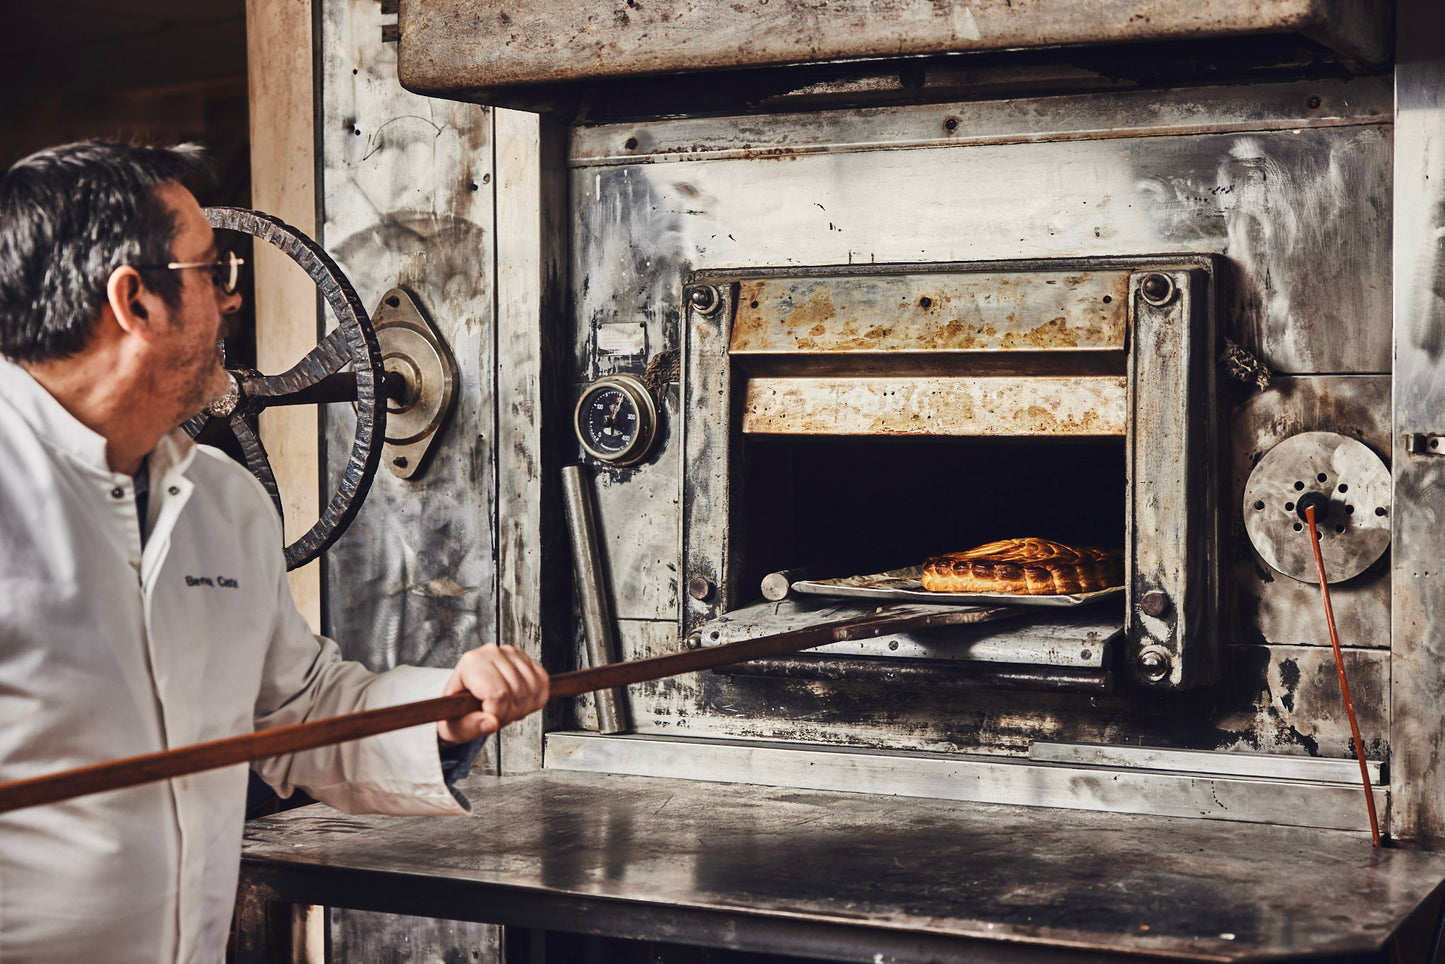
[(304, 678)]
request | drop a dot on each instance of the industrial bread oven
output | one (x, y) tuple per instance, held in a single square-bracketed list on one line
[(823, 290), (916, 328)]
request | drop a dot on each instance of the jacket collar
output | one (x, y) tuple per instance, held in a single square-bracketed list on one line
[(60, 430)]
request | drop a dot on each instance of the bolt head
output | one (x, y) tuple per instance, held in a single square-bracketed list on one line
[(700, 588), (1158, 289), (1154, 665), (704, 298), (1154, 603)]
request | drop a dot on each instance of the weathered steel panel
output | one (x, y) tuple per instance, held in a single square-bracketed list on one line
[(407, 201), (1043, 311), (640, 536), (1298, 204), (1303, 215), (860, 877), (1336, 805), (1172, 552), (456, 47), (1296, 705), (707, 454), (1263, 605), (413, 580), (532, 566), (1279, 106), (1281, 700), (1417, 576), (1088, 405)]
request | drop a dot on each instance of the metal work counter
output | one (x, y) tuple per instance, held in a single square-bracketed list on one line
[(851, 877)]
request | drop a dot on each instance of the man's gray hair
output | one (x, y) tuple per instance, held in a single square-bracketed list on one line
[(71, 215)]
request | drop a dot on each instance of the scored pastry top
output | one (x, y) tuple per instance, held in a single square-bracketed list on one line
[(1028, 566)]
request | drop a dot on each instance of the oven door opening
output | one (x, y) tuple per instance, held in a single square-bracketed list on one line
[(843, 422)]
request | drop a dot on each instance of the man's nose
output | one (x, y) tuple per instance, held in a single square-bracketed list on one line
[(229, 303)]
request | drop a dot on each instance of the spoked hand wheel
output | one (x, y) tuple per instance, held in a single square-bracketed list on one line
[(317, 378)]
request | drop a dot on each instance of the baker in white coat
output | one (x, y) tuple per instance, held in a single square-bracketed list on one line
[(143, 599)]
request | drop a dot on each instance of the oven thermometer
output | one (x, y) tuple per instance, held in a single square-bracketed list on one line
[(616, 419)]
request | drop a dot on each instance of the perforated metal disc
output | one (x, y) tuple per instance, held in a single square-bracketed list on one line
[(1355, 528)]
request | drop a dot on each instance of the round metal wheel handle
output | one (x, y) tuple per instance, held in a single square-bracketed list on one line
[(351, 344)]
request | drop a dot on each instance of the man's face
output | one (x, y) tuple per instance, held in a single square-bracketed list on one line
[(188, 370)]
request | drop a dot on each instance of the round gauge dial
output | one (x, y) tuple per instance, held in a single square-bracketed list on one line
[(616, 419)]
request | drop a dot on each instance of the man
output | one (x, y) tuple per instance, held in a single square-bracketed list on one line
[(143, 600)]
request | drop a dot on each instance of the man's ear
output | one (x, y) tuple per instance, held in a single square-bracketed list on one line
[(133, 304)]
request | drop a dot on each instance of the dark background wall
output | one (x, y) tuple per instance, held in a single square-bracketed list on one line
[(151, 71), (156, 70)]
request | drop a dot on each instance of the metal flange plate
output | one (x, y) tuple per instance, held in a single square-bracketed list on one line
[(1351, 487), (412, 348)]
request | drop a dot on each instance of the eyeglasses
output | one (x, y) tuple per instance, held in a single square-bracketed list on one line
[(225, 270)]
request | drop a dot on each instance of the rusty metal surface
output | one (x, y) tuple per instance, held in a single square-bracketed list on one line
[(901, 405), (851, 875), (454, 48), (1047, 311)]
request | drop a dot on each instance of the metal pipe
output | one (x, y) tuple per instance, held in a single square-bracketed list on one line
[(777, 585), (591, 592)]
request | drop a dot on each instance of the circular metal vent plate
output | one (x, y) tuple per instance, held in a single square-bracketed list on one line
[(1352, 487)]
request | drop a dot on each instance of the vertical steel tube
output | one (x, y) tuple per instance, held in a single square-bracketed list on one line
[(591, 591)]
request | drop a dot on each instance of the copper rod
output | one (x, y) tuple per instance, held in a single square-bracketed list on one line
[(1340, 667), (246, 747)]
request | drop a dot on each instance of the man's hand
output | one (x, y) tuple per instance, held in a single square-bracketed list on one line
[(508, 683)]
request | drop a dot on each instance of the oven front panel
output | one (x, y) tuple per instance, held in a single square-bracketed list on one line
[(1294, 197)]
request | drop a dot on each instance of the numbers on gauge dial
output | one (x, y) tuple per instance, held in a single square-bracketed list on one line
[(616, 419)]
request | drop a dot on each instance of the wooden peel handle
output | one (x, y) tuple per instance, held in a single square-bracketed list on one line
[(166, 764)]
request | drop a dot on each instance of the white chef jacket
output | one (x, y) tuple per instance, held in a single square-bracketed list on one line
[(108, 650)]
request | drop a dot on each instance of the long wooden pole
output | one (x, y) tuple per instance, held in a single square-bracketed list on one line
[(246, 747)]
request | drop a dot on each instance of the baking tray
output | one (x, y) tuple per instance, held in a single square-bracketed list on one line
[(905, 584)]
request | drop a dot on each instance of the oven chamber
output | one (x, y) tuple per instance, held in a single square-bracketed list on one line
[(1265, 189)]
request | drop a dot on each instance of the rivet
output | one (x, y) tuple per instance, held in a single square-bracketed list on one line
[(1157, 289), (117, 493)]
